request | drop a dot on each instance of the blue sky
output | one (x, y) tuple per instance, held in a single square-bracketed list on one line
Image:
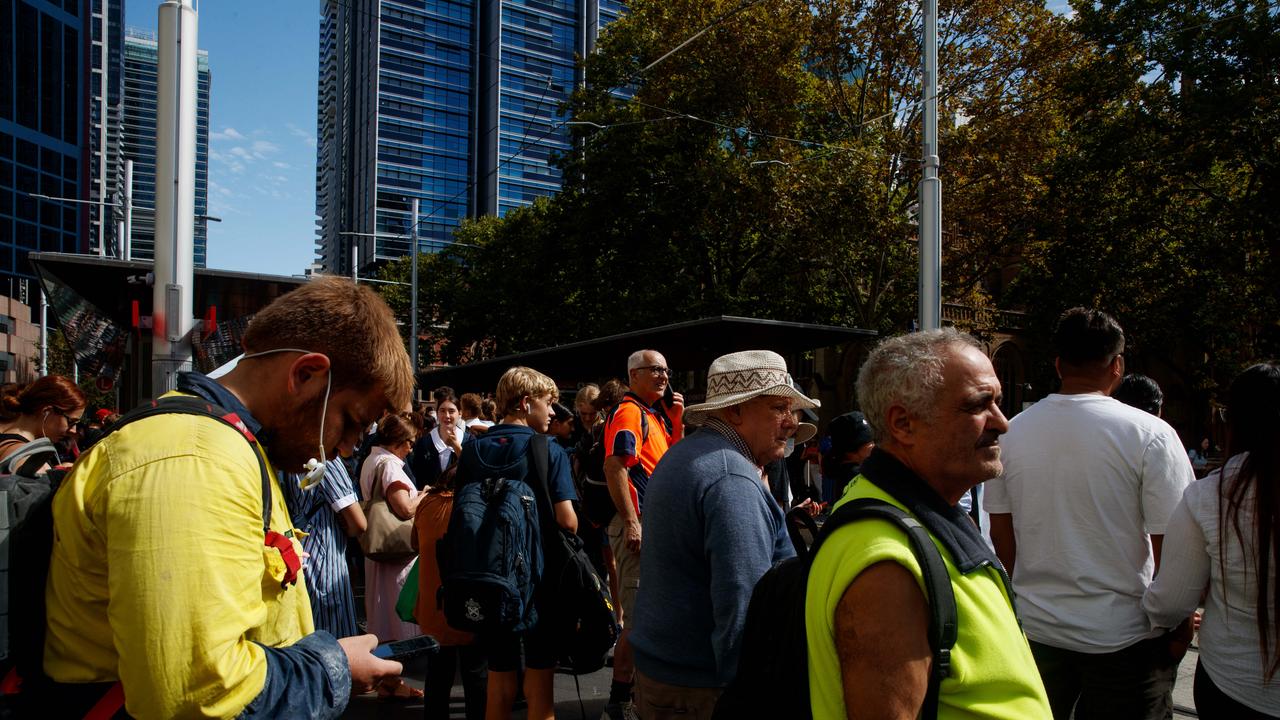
[(263, 55)]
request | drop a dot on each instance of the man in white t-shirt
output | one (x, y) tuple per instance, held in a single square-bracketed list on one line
[(1077, 518)]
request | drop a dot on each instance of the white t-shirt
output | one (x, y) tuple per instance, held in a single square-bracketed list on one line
[(1087, 479), (1229, 648)]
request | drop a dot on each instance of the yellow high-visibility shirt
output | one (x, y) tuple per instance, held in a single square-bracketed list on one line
[(159, 576), (993, 675)]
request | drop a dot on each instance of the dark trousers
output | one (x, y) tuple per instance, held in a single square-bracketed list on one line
[(1213, 704), (469, 659), (1134, 683)]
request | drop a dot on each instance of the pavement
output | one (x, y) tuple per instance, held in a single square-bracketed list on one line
[(594, 689)]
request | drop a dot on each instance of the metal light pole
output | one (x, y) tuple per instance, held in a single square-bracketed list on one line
[(930, 283), (171, 320), (413, 289), (126, 241), (44, 332)]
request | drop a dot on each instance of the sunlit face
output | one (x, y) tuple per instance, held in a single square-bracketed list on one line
[(650, 380), (765, 423), (540, 413), (959, 445), (57, 424), (447, 412)]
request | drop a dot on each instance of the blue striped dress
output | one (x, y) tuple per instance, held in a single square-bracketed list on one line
[(315, 511)]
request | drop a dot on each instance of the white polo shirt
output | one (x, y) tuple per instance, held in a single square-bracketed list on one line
[(1087, 479)]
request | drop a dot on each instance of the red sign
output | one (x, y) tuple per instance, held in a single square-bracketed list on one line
[(104, 384)]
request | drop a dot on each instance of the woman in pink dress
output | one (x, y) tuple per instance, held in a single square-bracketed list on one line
[(383, 580)]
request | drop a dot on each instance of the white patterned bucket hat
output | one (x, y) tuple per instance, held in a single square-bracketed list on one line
[(737, 377)]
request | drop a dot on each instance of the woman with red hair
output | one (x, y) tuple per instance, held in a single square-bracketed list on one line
[(47, 408)]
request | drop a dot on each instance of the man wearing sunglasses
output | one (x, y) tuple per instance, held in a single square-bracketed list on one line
[(637, 434)]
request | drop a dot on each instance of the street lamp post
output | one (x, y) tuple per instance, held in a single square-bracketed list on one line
[(413, 282), (930, 282)]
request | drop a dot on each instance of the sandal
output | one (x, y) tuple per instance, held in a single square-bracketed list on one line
[(403, 692)]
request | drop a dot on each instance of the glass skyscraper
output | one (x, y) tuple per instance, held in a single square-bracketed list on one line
[(455, 103), (43, 134), (106, 109), (138, 142)]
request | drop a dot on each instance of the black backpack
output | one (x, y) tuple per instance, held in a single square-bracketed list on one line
[(29, 546), (491, 558), (597, 503), (773, 668), (581, 608)]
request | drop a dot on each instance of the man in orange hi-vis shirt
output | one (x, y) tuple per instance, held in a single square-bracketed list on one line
[(636, 435)]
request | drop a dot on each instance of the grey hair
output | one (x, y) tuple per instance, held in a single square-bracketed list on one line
[(636, 359), (906, 370)]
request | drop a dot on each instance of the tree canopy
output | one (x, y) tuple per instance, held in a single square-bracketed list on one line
[(767, 168)]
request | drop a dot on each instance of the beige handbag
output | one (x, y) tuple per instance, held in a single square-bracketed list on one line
[(387, 538)]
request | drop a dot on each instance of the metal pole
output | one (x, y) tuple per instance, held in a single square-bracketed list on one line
[(171, 315), (44, 334), (126, 250), (413, 283), (930, 287), (355, 260)]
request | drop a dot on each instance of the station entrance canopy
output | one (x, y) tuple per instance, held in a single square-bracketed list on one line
[(689, 347), (102, 303)]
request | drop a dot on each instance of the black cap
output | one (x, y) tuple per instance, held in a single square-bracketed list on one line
[(562, 413), (849, 432)]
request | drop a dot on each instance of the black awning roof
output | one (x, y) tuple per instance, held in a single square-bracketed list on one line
[(112, 285), (688, 347)]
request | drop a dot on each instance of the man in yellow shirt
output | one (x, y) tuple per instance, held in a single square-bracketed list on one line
[(933, 402), (163, 578)]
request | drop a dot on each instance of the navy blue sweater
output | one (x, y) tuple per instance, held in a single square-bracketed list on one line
[(711, 530)]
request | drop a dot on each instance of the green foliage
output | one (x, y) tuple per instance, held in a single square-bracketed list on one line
[(764, 169), (1162, 203)]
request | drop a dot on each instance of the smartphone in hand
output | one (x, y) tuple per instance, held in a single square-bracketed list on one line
[(669, 396), (402, 650)]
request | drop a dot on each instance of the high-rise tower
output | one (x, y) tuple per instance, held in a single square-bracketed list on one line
[(452, 102)]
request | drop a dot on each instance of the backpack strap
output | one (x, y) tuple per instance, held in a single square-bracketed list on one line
[(191, 405), (941, 599)]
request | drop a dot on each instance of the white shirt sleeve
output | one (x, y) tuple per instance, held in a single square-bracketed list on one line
[(1184, 571), (1166, 473)]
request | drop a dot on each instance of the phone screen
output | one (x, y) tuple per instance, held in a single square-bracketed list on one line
[(404, 649), (669, 396)]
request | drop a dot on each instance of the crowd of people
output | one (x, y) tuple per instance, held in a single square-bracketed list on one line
[(200, 565)]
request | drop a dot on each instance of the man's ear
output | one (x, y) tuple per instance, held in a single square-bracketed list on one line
[(307, 369), (902, 425), (734, 415)]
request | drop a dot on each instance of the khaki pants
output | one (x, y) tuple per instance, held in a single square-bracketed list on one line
[(628, 564), (660, 701)]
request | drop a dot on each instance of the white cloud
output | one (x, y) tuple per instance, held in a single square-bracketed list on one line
[(281, 165), (263, 148), (227, 134), (302, 135)]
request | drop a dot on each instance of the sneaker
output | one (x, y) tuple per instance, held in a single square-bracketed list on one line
[(625, 710)]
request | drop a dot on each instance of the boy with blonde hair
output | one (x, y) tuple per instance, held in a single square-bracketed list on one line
[(525, 397)]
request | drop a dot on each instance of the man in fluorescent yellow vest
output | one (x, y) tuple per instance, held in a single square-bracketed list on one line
[(933, 402)]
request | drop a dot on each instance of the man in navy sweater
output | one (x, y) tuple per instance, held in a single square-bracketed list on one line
[(711, 530)]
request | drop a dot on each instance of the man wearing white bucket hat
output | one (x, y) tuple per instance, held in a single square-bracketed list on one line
[(711, 529)]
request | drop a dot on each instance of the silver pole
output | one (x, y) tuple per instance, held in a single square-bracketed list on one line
[(126, 248), (930, 288), (413, 282), (44, 333), (171, 313), (355, 261)]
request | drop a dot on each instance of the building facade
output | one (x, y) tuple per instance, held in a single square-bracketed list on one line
[(106, 112), (454, 103), (43, 134), (138, 143)]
